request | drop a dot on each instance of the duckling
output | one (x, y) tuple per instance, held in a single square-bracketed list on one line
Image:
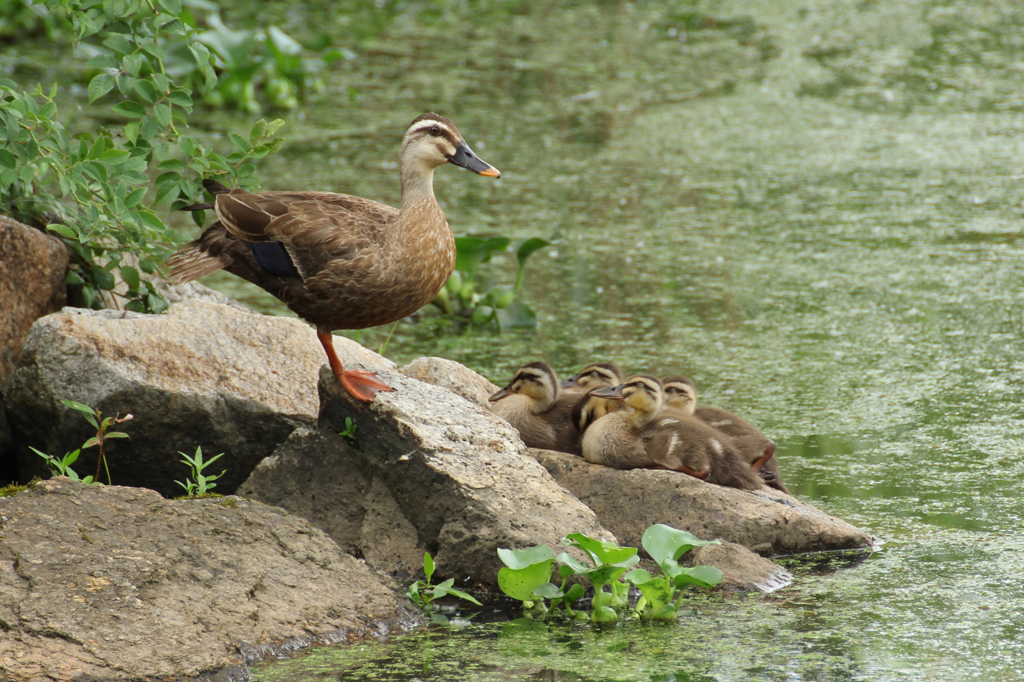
[(589, 409), (645, 438), (339, 261), (754, 447), (532, 404)]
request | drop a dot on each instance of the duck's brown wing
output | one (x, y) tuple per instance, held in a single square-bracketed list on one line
[(315, 228)]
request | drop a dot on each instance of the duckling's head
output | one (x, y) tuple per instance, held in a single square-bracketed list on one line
[(596, 375), (642, 392), (537, 381), (680, 394), (433, 141)]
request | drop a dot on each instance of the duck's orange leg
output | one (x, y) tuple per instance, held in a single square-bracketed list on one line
[(360, 384), (769, 451)]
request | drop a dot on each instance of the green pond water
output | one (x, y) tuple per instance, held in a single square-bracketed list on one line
[(813, 208)]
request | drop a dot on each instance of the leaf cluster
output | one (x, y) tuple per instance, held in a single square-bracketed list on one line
[(62, 466), (93, 189), (423, 594), (204, 482), (527, 575), (486, 302)]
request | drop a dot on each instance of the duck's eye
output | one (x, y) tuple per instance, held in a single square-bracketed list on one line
[(435, 130)]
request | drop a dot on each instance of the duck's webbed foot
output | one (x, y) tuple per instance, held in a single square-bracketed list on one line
[(361, 384), (767, 476), (702, 474)]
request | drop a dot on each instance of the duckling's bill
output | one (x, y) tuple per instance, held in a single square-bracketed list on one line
[(465, 158)]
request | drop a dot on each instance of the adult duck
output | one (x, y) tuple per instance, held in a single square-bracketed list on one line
[(340, 261)]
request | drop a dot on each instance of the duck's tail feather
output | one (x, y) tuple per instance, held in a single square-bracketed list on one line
[(200, 257)]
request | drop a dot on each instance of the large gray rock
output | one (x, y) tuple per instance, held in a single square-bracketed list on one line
[(767, 521), (202, 375), (316, 475), (455, 377), (433, 472), (115, 583), (33, 266), (742, 570)]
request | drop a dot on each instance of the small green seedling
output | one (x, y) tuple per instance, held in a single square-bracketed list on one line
[(203, 483), (62, 466), (423, 594), (349, 433)]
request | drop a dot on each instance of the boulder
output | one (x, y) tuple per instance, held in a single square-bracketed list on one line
[(436, 473), (204, 375), (33, 266), (743, 571), (315, 475), (767, 521), (113, 583), (455, 377)]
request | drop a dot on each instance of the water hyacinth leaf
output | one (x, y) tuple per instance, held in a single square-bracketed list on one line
[(524, 558), (658, 592), (517, 314), (471, 251), (665, 542), (637, 576), (570, 566), (528, 247), (520, 583), (702, 576), (599, 551), (548, 591), (602, 575)]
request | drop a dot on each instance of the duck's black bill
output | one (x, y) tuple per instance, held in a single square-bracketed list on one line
[(465, 158), (507, 391), (613, 393)]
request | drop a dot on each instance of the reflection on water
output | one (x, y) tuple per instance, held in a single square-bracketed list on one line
[(813, 209)]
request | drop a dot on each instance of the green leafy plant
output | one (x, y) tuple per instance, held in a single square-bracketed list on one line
[(204, 482), (461, 296), (608, 562), (662, 597), (527, 575), (91, 188), (423, 594), (349, 432), (62, 466), (253, 61)]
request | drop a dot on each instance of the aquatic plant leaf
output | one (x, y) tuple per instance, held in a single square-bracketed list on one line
[(638, 577), (602, 552), (517, 314), (471, 251), (658, 592), (665, 542), (702, 576), (522, 558), (520, 583), (548, 591)]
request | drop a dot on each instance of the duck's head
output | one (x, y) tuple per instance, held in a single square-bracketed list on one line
[(642, 392), (537, 381), (680, 394), (596, 375), (432, 140)]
